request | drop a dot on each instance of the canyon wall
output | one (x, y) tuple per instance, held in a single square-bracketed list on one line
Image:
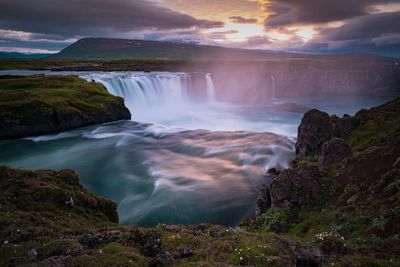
[(263, 81)]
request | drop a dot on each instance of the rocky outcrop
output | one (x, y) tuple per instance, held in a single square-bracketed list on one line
[(343, 126), (296, 187), (334, 151), (315, 129), (52, 104), (263, 201)]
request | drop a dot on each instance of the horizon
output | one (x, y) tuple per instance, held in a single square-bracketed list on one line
[(308, 27)]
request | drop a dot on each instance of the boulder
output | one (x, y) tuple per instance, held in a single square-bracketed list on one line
[(263, 201), (314, 130), (343, 126), (334, 151), (296, 187)]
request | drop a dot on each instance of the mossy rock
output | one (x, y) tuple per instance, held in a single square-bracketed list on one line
[(39, 104)]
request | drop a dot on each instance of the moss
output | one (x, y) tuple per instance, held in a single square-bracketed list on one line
[(38, 104), (376, 127)]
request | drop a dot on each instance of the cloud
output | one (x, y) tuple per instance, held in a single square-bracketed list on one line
[(365, 28), (25, 50), (296, 12), (374, 33), (240, 19), (77, 18)]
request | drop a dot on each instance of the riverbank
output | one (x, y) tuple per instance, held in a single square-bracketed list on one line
[(337, 206), (38, 104)]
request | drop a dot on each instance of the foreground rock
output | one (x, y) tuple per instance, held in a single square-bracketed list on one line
[(38, 228), (296, 187), (342, 194), (40, 104), (334, 151), (314, 130)]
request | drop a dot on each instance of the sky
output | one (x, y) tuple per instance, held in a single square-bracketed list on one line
[(309, 26)]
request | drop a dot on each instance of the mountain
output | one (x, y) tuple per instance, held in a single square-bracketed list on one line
[(21, 55), (105, 48)]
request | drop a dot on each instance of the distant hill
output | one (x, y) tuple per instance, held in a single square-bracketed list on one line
[(21, 55), (104, 48)]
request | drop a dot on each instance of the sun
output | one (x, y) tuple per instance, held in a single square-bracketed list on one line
[(243, 31), (305, 33), (238, 32)]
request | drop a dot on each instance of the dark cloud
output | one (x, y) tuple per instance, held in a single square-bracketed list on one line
[(72, 18), (290, 12), (366, 28), (242, 20), (375, 33)]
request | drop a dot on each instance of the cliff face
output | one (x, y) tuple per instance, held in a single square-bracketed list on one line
[(261, 82), (343, 189), (44, 104)]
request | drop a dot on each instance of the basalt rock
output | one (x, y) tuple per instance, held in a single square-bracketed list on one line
[(334, 151), (263, 201), (296, 187), (343, 126), (314, 130)]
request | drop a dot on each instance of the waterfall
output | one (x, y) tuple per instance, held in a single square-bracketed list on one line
[(146, 93), (273, 90), (210, 88)]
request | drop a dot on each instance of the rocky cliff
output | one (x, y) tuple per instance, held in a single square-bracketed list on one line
[(343, 190), (44, 104)]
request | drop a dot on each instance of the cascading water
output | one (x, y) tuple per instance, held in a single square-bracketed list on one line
[(147, 93), (210, 88), (273, 89), (168, 100)]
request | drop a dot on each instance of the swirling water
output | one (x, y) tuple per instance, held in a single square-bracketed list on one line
[(182, 160)]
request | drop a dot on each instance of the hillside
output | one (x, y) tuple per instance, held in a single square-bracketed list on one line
[(124, 49), (337, 206), (116, 49)]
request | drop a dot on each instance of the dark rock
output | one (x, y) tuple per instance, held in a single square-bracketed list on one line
[(161, 259), (263, 201), (150, 243), (306, 256), (296, 187), (333, 246), (91, 241), (334, 151), (70, 202), (17, 238), (32, 253), (314, 130), (100, 239), (184, 252), (343, 126), (57, 261), (273, 171)]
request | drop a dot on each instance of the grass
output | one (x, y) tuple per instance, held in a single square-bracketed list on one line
[(50, 103)]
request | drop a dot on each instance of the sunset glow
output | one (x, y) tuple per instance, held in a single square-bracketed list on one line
[(310, 26)]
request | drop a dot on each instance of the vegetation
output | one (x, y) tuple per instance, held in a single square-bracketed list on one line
[(40, 104)]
